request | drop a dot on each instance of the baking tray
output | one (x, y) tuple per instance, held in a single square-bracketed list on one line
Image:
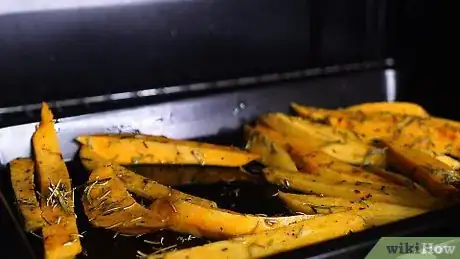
[(217, 118)]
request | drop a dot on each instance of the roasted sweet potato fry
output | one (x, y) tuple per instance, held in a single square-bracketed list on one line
[(22, 180), (453, 163), (190, 218), (134, 150), (136, 183), (152, 190), (60, 234), (310, 159), (298, 127), (315, 184), (322, 164), (271, 154), (400, 108), (91, 160), (396, 178), (274, 241), (339, 143), (175, 175), (374, 213), (108, 204), (427, 134), (437, 177)]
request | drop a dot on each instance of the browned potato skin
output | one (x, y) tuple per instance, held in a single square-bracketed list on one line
[(22, 180), (274, 241), (60, 234)]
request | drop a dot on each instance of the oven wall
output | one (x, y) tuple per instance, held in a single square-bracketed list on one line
[(59, 54), (423, 41)]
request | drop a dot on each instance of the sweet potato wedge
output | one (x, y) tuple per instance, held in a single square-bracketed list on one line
[(22, 180), (60, 234), (315, 184), (175, 175), (152, 190), (136, 183), (396, 178), (298, 127), (274, 241), (108, 204), (133, 150), (91, 160), (430, 135), (400, 108), (453, 163), (271, 153), (310, 159), (190, 218), (320, 163), (438, 178), (373, 213), (339, 143)]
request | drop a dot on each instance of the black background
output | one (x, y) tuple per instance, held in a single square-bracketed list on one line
[(74, 53)]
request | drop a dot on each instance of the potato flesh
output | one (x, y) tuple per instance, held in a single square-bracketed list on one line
[(396, 178), (136, 183), (310, 159), (320, 163), (131, 150), (108, 204), (339, 143), (314, 184), (22, 179), (432, 135), (174, 175), (274, 241), (437, 177), (373, 213), (190, 218), (60, 235), (271, 153), (149, 189), (401, 108)]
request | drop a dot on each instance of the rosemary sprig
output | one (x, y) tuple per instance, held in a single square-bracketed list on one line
[(59, 196), (141, 254), (165, 249), (315, 207)]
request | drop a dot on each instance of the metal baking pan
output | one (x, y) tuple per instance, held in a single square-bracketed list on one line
[(214, 117)]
